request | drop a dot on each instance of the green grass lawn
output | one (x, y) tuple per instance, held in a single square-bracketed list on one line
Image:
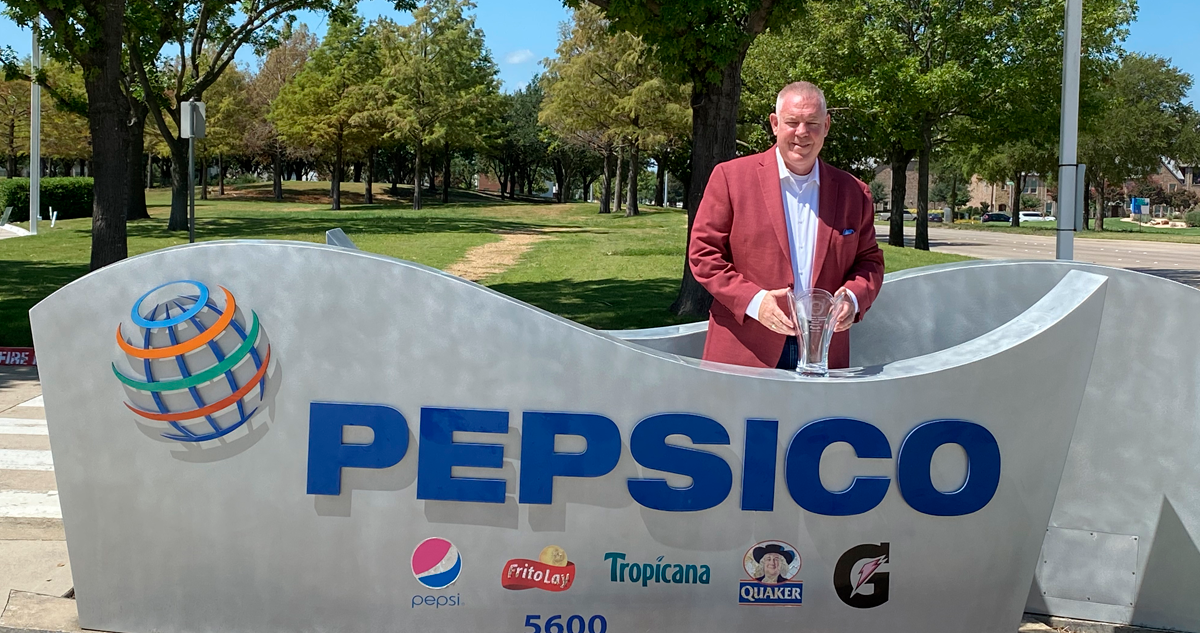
[(605, 271)]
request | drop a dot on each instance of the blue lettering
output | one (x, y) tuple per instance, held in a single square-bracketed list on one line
[(711, 477), (916, 455), (327, 455), (540, 464), (758, 465), (438, 453), (803, 466)]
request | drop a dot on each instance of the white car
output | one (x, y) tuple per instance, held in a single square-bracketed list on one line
[(1034, 216)]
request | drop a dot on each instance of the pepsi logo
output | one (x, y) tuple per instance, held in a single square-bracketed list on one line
[(436, 563)]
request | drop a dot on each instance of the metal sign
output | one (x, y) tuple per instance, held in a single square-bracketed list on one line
[(192, 119), (359, 465)]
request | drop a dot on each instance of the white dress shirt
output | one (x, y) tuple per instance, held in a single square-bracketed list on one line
[(801, 202)]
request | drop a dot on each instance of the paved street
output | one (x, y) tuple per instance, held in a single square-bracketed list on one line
[(1178, 262)]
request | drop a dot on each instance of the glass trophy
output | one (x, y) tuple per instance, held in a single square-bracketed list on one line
[(813, 313)]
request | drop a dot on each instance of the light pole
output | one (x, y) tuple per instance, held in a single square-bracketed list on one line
[(35, 134), (1069, 171)]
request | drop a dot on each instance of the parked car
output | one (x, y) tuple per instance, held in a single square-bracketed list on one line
[(908, 217), (996, 217), (1034, 216)]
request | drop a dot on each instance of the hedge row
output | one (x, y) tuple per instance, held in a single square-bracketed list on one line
[(70, 197)]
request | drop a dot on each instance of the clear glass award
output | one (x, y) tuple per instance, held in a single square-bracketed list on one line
[(813, 313)]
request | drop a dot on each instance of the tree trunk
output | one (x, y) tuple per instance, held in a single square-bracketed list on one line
[(921, 242), (1103, 207), (953, 197), (277, 174), (137, 153), (338, 158), (369, 191), (221, 174), (179, 185), (204, 178), (618, 191), (606, 183), (357, 171), (660, 184), (10, 170), (1087, 204), (631, 205), (446, 173), (714, 140), (899, 159), (108, 117), (1014, 198), (416, 203)]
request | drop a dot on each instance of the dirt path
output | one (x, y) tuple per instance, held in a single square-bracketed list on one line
[(496, 257)]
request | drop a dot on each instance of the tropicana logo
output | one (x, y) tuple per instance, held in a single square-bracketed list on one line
[(202, 369)]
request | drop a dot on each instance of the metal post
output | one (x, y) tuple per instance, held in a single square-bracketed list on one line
[(35, 134), (1069, 133), (191, 105)]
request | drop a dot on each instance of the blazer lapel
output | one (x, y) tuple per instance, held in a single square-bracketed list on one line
[(768, 179), (826, 220)]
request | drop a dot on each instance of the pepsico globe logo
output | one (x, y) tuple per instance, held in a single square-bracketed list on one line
[(198, 366)]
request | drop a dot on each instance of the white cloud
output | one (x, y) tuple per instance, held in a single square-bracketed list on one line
[(519, 57)]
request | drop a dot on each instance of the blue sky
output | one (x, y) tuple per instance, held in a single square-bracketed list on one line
[(520, 33)]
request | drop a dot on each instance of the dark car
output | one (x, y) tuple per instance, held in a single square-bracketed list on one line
[(996, 217)]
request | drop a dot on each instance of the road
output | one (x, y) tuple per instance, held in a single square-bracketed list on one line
[(1178, 262)]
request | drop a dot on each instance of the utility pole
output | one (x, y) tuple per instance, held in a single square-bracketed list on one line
[(35, 134), (1069, 172)]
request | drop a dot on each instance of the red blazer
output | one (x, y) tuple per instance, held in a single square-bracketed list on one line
[(739, 245)]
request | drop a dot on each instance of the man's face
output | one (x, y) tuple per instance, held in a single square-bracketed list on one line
[(772, 564), (800, 128)]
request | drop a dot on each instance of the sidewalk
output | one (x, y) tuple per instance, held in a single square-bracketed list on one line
[(33, 549)]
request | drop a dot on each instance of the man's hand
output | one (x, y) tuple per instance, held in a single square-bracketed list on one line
[(774, 318), (844, 317)]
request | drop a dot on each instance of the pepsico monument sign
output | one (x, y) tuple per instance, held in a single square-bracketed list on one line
[(410, 451)]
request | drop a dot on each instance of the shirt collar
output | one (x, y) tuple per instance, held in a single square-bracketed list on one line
[(785, 173)]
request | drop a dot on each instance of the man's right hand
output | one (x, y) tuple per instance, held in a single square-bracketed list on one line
[(770, 315)]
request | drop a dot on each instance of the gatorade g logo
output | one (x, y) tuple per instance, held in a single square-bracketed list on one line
[(857, 578)]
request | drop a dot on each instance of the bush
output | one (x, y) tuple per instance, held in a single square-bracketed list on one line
[(968, 213), (70, 197), (1193, 217)]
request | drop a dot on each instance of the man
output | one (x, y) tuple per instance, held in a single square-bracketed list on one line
[(780, 220)]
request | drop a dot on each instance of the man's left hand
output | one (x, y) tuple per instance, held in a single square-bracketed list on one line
[(845, 311)]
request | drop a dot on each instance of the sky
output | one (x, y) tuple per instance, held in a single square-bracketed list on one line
[(521, 33)]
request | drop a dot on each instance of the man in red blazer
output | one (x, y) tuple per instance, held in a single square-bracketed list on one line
[(778, 220)]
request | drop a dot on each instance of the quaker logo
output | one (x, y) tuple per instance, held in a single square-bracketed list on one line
[(770, 567), (857, 578), (658, 572), (550, 572)]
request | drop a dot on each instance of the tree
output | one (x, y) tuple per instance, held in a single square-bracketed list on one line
[(229, 119), (277, 68), (14, 124), (88, 33), (179, 48), (1143, 119), (607, 90), (702, 42), (319, 107), (433, 71), (518, 151)]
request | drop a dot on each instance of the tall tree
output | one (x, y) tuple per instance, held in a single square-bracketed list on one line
[(88, 33), (14, 124), (321, 104), (179, 48), (433, 71), (276, 69), (704, 43), (229, 120), (1143, 120)]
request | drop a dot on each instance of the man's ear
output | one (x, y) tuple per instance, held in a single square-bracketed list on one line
[(774, 119), (828, 122)]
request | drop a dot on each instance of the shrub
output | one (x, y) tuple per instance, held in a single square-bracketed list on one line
[(1193, 217), (70, 197)]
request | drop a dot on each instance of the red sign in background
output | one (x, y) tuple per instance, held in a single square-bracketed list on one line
[(17, 356), (522, 573)]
